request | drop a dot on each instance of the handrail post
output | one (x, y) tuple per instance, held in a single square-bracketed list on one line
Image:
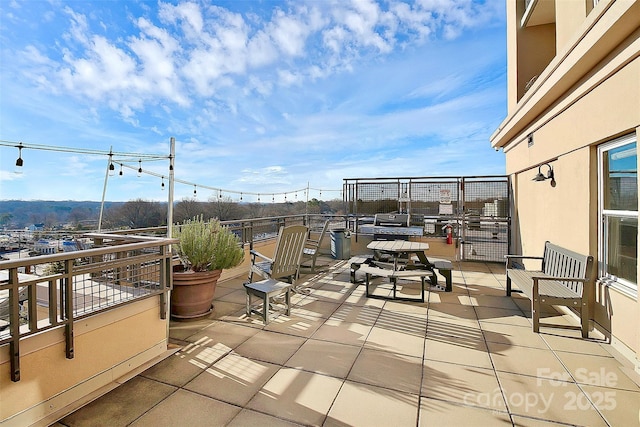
[(14, 324), (67, 282)]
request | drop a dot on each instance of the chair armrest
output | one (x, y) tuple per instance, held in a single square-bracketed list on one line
[(255, 254)]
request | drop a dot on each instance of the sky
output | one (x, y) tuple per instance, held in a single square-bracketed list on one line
[(264, 98)]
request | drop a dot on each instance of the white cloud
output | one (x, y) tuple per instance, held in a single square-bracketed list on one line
[(322, 89)]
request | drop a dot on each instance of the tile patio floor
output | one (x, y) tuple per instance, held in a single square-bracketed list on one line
[(463, 358)]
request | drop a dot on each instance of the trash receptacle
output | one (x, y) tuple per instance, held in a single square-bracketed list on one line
[(340, 244)]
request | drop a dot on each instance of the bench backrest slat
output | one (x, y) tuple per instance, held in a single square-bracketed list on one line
[(561, 262)]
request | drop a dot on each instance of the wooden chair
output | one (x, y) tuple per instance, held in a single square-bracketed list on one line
[(312, 248), (286, 258)]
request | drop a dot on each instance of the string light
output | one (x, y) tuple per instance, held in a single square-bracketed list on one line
[(19, 161), (162, 185), (195, 192), (112, 168), (124, 159)]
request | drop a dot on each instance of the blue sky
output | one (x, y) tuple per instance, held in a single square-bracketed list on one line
[(261, 96)]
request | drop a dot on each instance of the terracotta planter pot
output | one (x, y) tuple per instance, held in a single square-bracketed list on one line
[(192, 294)]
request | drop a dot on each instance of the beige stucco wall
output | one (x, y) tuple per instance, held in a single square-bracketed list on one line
[(107, 347), (560, 214), (602, 104), (570, 14)]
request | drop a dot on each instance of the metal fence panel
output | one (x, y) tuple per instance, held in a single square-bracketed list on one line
[(477, 208), (485, 235)]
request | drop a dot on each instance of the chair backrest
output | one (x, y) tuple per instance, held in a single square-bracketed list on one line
[(315, 244), (288, 252)]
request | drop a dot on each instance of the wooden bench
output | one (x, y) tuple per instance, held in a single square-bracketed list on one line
[(393, 276), (265, 290), (564, 279)]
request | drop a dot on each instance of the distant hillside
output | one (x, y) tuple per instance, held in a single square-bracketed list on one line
[(15, 214)]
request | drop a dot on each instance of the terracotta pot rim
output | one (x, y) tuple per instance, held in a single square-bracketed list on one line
[(186, 272)]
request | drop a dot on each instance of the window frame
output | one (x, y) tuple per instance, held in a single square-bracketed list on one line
[(623, 285)]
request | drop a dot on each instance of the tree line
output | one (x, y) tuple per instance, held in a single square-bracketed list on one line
[(140, 213)]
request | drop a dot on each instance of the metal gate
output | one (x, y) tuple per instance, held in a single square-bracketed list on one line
[(476, 208), (485, 219)]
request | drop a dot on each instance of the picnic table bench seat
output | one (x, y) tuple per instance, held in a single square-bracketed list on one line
[(444, 267), (355, 262), (564, 279), (393, 276)]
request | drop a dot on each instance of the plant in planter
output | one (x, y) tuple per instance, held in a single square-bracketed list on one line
[(205, 249)]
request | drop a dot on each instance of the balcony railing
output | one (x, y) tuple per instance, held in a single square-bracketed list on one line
[(73, 285), (53, 291)]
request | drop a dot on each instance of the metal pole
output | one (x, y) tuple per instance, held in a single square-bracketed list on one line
[(169, 278), (172, 157), (104, 189)]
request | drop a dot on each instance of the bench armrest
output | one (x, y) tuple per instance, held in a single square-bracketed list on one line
[(255, 254), (511, 258), (568, 279)]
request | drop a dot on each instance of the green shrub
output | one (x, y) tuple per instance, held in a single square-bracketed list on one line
[(207, 245)]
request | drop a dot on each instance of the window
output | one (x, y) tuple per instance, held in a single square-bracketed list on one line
[(618, 200)]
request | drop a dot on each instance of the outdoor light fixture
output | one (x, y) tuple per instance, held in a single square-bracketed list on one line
[(19, 161), (140, 167), (112, 168), (120, 170), (162, 186), (195, 192), (541, 177)]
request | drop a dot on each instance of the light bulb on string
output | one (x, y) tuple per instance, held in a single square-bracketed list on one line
[(19, 161), (162, 185), (258, 198), (220, 194), (140, 167), (121, 170), (112, 168), (195, 191), (240, 196), (273, 198)]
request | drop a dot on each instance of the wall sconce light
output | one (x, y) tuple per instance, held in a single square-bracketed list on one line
[(541, 177)]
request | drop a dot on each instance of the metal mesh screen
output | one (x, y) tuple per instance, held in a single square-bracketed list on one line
[(485, 234), (476, 207)]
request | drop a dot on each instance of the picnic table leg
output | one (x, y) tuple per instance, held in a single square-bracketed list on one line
[(366, 277), (447, 277)]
